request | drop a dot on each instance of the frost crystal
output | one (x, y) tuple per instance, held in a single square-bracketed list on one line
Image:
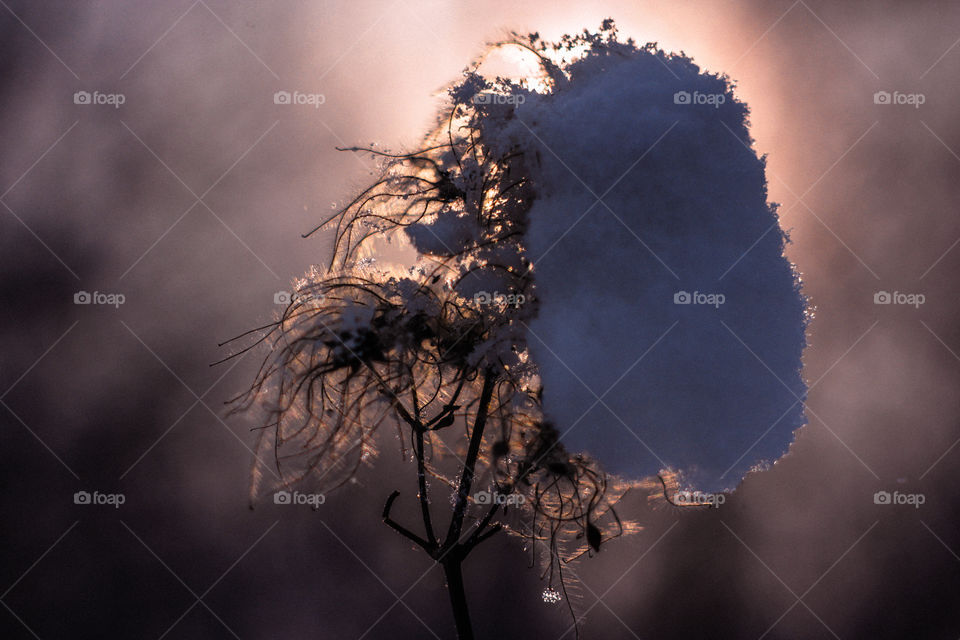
[(551, 595)]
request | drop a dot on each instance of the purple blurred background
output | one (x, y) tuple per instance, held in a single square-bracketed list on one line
[(189, 198)]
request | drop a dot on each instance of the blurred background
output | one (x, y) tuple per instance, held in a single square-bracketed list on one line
[(144, 159)]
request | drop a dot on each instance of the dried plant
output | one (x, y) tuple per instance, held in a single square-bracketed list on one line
[(427, 351)]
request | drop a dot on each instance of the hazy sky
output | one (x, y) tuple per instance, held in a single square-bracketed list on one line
[(188, 199)]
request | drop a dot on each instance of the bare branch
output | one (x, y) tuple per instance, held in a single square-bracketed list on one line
[(406, 533)]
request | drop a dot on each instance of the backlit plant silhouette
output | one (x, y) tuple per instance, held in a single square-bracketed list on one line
[(360, 346), (438, 349)]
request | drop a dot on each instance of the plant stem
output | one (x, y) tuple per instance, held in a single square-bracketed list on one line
[(422, 484), (452, 568), (466, 478), (455, 552), (452, 552)]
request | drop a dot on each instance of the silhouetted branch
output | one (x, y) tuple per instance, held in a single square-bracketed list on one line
[(422, 476), (406, 533), (467, 475), (478, 535)]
